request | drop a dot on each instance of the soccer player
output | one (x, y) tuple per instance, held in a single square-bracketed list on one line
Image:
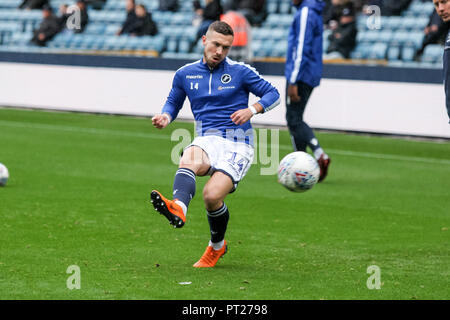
[(303, 71), (443, 10), (218, 90)]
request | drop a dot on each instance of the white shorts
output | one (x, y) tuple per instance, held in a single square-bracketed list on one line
[(232, 158)]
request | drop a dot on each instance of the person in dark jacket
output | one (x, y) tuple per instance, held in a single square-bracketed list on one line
[(343, 38), (303, 73), (48, 28), (210, 13), (435, 32), (144, 24), (131, 18)]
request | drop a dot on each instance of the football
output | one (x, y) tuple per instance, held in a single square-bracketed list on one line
[(298, 171), (4, 175)]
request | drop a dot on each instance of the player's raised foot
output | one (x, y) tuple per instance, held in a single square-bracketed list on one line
[(324, 163), (211, 256), (172, 211)]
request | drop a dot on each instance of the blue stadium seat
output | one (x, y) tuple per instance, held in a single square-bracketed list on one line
[(433, 53), (378, 51), (285, 7), (391, 23), (408, 53), (400, 38), (111, 29), (261, 33), (184, 46), (408, 23), (393, 53), (95, 28), (172, 45), (272, 7), (361, 51)]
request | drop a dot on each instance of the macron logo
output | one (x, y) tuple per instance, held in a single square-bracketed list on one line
[(199, 76)]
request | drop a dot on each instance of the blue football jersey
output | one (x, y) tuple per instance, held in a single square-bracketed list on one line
[(216, 94)]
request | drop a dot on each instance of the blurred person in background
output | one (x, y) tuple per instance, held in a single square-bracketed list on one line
[(434, 33), (63, 15), (131, 18), (48, 28), (144, 24), (343, 38), (303, 73), (241, 49), (210, 13)]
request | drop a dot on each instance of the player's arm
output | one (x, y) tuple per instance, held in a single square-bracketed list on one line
[(242, 116), (173, 104)]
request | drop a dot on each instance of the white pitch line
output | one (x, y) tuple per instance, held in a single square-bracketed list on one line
[(17, 124), (380, 156)]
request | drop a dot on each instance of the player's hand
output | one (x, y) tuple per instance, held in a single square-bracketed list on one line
[(293, 93), (160, 121), (241, 116)]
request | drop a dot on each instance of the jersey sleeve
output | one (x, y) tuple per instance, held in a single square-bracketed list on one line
[(268, 94), (176, 97)]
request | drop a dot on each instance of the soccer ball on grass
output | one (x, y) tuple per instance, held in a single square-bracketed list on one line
[(298, 171), (4, 175)]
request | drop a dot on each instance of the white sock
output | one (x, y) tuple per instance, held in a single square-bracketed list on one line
[(182, 205), (318, 153), (217, 245)]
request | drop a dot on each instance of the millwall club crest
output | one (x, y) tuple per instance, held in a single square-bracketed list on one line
[(226, 78)]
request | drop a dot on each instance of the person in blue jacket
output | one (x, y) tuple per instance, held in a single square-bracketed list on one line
[(303, 72), (218, 90)]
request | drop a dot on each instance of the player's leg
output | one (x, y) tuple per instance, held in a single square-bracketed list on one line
[(214, 193), (301, 133), (193, 162)]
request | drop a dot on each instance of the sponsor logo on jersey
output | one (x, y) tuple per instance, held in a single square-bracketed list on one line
[(225, 87), (226, 78), (198, 76)]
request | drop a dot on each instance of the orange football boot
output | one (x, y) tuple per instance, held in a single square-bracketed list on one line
[(172, 211), (211, 256)]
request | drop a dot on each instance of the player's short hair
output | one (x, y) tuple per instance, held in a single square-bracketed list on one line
[(221, 27)]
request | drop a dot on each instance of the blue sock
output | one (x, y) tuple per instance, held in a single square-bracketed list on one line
[(184, 186)]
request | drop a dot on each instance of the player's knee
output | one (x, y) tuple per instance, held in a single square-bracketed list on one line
[(194, 160), (211, 197)]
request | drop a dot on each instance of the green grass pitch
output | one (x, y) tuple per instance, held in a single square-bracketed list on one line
[(79, 195)]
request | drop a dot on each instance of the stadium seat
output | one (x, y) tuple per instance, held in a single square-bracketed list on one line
[(285, 7), (391, 23), (408, 53), (272, 7), (377, 51), (279, 49), (361, 51), (393, 53), (400, 37), (433, 53)]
